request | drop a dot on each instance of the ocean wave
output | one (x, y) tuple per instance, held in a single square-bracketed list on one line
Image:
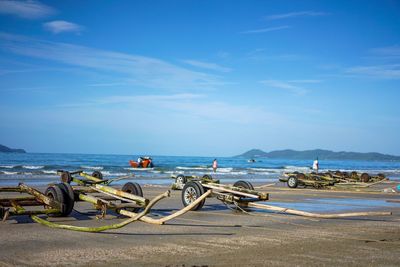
[(8, 166), (9, 173), (50, 172), (193, 168), (92, 167), (268, 170), (107, 173), (32, 167), (139, 169)]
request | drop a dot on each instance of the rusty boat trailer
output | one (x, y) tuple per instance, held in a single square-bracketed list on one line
[(242, 195)]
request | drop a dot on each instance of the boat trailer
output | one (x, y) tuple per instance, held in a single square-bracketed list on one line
[(242, 195)]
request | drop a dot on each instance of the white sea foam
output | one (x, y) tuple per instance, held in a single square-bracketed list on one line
[(32, 167), (50, 172), (263, 170), (10, 173), (193, 168), (107, 173), (7, 166), (93, 167), (139, 169), (225, 170)]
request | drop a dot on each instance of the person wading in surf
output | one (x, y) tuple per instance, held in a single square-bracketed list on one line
[(215, 165)]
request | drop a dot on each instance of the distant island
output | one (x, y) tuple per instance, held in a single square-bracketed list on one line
[(5, 149), (320, 153)]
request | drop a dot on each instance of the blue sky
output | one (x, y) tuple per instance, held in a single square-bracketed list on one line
[(212, 78)]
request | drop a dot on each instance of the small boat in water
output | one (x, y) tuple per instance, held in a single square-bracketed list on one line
[(142, 162)]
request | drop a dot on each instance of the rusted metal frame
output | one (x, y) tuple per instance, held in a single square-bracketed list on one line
[(237, 191), (106, 227), (11, 189), (108, 189), (99, 202), (40, 196)]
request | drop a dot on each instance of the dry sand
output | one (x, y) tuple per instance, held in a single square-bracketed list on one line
[(214, 236)]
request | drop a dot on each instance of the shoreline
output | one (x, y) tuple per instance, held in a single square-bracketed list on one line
[(213, 236)]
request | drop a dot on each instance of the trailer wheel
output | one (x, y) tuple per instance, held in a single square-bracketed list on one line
[(206, 176), (345, 175), (192, 191), (66, 177), (365, 177), (134, 189), (181, 180), (293, 182), (55, 193), (98, 175), (68, 197), (243, 184), (381, 176), (338, 173), (353, 175), (2, 212)]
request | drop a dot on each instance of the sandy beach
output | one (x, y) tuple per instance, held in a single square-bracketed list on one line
[(216, 235)]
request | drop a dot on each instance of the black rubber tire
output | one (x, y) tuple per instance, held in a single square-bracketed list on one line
[(381, 176), (66, 177), (345, 175), (181, 179), (292, 182), (365, 177), (97, 175), (2, 212), (68, 197), (354, 175), (192, 190), (244, 184), (207, 176), (135, 189), (54, 192)]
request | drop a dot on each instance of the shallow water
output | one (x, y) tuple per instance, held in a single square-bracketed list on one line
[(41, 168), (332, 205)]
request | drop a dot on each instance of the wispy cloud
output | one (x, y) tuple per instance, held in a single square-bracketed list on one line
[(296, 14), (389, 51), (194, 106), (138, 70), (263, 30), (305, 81), (288, 86), (29, 9), (206, 65), (59, 26), (390, 71)]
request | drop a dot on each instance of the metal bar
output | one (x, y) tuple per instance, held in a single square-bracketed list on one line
[(40, 196), (237, 191)]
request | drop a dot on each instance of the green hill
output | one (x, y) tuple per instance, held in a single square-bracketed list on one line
[(320, 153), (5, 149)]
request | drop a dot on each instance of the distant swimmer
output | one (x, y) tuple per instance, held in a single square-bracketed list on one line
[(315, 165), (251, 160), (215, 165)]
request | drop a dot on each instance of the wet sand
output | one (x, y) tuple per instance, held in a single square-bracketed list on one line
[(217, 235)]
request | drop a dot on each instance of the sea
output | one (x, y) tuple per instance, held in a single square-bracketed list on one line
[(41, 168)]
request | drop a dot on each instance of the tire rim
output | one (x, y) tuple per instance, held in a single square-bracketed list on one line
[(190, 195), (179, 180), (291, 182)]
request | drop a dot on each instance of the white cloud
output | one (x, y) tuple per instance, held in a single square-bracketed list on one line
[(135, 69), (270, 29), (285, 86), (206, 65), (295, 14), (59, 26), (305, 81), (390, 71), (389, 51), (26, 9)]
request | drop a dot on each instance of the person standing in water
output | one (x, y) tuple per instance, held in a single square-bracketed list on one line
[(215, 165), (315, 165)]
